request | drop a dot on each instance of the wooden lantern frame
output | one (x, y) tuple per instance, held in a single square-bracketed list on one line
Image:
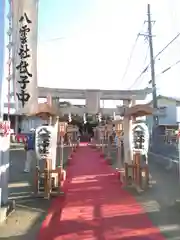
[(118, 127)]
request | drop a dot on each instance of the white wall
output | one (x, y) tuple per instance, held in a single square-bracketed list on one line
[(171, 112), (170, 116)]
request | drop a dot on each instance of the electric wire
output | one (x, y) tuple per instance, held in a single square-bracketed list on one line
[(166, 69), (157, 55), (130, 56), (145, 59)]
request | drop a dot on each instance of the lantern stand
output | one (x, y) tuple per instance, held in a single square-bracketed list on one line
[(102, 136), (72, 138), (62, 130), (118, 147), (98, 140), (109, 129), (48, 182), (119, 131), (135, 174), (93, 142)]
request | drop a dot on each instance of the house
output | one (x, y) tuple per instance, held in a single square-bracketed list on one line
[(167, 112)]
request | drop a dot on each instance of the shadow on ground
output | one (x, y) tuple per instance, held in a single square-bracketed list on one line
[(159, 201), (110, 219), (26, 220)]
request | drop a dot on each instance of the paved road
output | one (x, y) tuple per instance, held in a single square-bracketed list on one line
[(159, 201), (26, 220)]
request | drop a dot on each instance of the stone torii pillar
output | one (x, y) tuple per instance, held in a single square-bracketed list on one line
[(93, 101)]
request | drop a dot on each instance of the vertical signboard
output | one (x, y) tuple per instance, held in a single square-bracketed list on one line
[(24, 53), (2, 48)]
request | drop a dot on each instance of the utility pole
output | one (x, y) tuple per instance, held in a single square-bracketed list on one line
[(153, 80)]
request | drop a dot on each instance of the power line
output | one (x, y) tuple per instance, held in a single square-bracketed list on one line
[(170, 67), (166, 69), (167, 45), (130, 57), (160, 52), (145, 59)]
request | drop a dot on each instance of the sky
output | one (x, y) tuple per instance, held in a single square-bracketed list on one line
[(86, 43)]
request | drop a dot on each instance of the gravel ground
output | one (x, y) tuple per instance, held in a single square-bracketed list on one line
[(26, 220)]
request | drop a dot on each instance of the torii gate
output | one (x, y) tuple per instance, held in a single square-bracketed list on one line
[(93, 98)]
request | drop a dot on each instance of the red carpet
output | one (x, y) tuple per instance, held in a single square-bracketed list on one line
[(95, 207)]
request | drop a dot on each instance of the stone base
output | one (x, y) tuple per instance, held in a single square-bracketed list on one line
[(6, 210)]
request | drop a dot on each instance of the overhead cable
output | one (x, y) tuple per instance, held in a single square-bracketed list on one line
[(159, 53), (166, 69), (130, 57), (134, 83)]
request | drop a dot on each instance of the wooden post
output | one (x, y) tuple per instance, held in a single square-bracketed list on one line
[(126, 173), (102, 142), (62, 153), (118, 154), (59, 179), (118, 129), (46, 187), (109, 132), (108, 147), (146, 171), (37, 180), (47, 178), (138, 168)]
